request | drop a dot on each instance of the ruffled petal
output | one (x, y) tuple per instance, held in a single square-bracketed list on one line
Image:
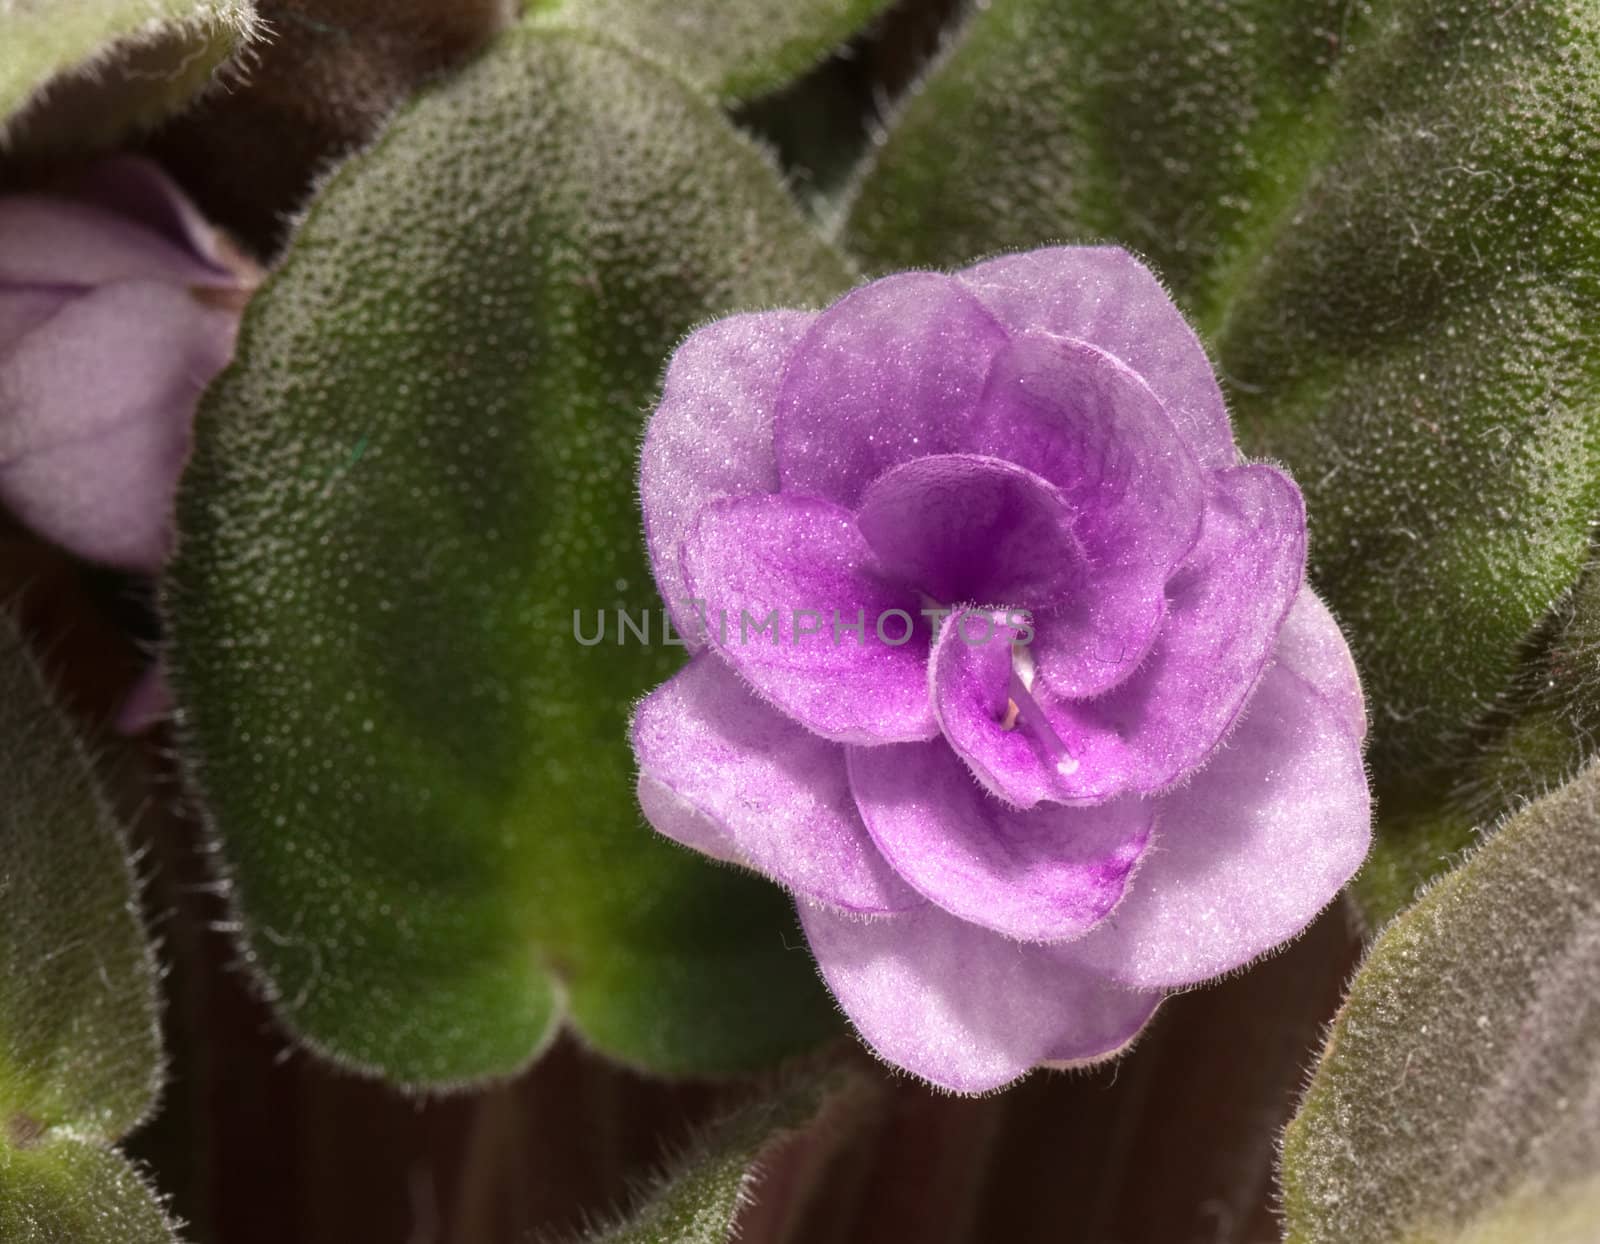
[(890, 372), (1311, 645), (782, 578), (726, 774), (1088, 644), (1224, 610), (1248, 852), (963, 1008), (711, 436), (1103, 295), (966, 527), (1046, 875), (1081, 419), (95, 410)]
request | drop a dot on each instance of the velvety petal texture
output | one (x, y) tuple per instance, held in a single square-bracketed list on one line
[(733, 777), (117, 306), (1006, 666)]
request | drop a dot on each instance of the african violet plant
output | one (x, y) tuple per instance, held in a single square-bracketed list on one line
[(1066, 491)]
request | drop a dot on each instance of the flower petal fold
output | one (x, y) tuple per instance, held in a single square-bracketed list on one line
[(1088, 643), (1249, 851), (48, 239), (95, 408), (728, 775), (711, 436), (1225, 606), (963, 527), (963, 1008), (1080, 418), (1045, 875), (793, 604), (890, 372), (1103, 295), (1311, 645)]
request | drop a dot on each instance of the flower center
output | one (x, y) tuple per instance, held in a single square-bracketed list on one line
[(1023, 710)]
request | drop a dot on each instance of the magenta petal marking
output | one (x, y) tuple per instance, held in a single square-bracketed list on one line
[(962, 527), (1103, 295), (1046, 875), (711, 436), (792, 603), (890, 372), (961, 1006), (728, 775), (1249, 851)]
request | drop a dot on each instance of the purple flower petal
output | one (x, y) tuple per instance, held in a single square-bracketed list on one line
[(890, 372), (782, 577), (962, 527), (1311, 646), (973, 697), (95, 407), (1047, 875), (1103, 295), (139, 190), (24, 307), (1088, 644), (962, 1007), (1224, 609), (1076, 416), (1249, 851), (54, 240), (726, 774), (711, 437)]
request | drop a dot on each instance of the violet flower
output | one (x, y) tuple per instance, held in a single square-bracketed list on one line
[(1137, 767), (118, 304)]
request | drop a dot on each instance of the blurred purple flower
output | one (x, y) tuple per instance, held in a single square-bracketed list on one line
[(118, 304), (1004, 854)]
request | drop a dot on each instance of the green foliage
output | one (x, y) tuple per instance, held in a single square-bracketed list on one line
[(69, 1191), (699, 1200), (1381, 217), (1538, 737), (1458, 1097), (80, 74), (80, 1057), (736, 51), (420, 465)]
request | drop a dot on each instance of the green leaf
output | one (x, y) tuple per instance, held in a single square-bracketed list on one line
[(80, 1054), (80, 74), (69, 1191), (736, 51), (1461, 1081), (1541, 734), (419, 468), (1381, 217), (699, 1200)]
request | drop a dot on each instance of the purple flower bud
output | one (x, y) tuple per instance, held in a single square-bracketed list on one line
[(1120, 754), (118, 304)]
